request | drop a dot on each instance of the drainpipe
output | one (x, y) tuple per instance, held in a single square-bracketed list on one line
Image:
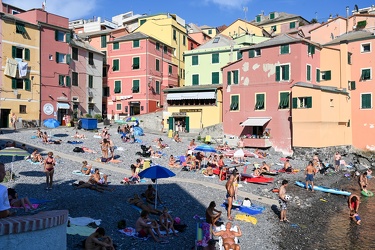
[(40, 75), (147, 78)]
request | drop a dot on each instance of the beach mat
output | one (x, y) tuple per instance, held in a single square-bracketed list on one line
[(246, 218), (34, 163), (80, 230)]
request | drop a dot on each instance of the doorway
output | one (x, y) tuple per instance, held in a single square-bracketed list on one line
[(61, 113), (135, 108), (4, 118)]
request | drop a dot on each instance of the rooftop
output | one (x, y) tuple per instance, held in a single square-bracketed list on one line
[(320, 87), (352, 36)]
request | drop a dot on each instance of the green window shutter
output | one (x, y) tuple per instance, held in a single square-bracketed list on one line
[(366, 74), (14, 83), (272, 16), (317, 75), (103, 41), (117, 88), (61, 80), (284, 49), (116, 45), (68, 58), (135, 62), (68, 37), (135, 86), (215, 58), (14, 51), (170, 69), (157, 46), (57, 57), (56, 35), (234, 102), (251, 53), (157, 65), (215, 77), (142, 21), (277, 73), (68, 81), (352, 85), (328, 75), (135, 43), (116, 66), (27, 54), (308, 73), (235, 77), (157, 87), (259, 104), (273, 28), (284, 100), (292, 25), (294, 100), (170, 123), (91, 81), (239, 55), (27, 84), (349, 58), (286, 73), (229, 78), (309, 102), (258, 19), (195, 60), (366, 101), (195, 80), (312, 49), (165, 49)]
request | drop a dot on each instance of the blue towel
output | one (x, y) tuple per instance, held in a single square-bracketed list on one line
[(38, 201)]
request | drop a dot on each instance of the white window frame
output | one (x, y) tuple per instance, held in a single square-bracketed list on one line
[(301, 104), (362, 49), (360, 102), (256, 54), (63, 58), (360, 73), (281, 72)]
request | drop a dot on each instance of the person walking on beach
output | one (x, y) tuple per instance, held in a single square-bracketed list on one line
[(309, 174), (162, 125), (283, 201), (230, 194), (337, 158), (49, 169)]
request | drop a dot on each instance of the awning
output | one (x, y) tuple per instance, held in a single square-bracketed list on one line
[(63, 105), (191, 96), (256, 121)]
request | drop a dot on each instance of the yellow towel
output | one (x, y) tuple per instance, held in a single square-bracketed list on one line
[(247, 218)]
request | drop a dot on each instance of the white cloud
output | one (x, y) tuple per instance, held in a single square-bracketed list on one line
[(72, 9), (235, 4)]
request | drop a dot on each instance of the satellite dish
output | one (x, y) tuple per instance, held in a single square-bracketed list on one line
[(356, 8)]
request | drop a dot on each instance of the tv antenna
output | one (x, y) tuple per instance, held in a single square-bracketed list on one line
[(245, 10)]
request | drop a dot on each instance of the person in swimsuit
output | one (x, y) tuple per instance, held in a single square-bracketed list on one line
[(45, 138), (228, 236), (144, 226), (49, 169), (137, 201), (337, 158), (353, 204), (208, 171), (363, 181), (96, 179), (265, 167), (230, 194), (86, 168), (166, 222), (283, 201), (222, 167), (14, 201), (98, 241), (39, 133), (309, 174), (105, 147), (212, 214), (35, 156), (287, 167)]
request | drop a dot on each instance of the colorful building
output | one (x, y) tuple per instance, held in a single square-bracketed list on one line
[(197, 34), (241, 27), (257, 99), (20, 76), (140, 68)]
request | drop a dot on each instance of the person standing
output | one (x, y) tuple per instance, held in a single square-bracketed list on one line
[(283, 201), (230, 194), (240, 143), (49, 169), (309, 174), (13, 120), (4, 200), (337, 158), (162, 125), (363, 181)]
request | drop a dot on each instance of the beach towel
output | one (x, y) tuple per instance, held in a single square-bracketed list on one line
[(75, 142), (247, 218), (97, 136), (11, 67), (35, 206), (80, 230), (34, 163), (34, 137), (130, 232), (136, 208), (79, 173), (83, 221)]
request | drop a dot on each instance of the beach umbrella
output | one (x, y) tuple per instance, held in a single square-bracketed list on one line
[(12, 151), (205, 148), (239, 153), (131, 119), (156, 172), (51, 123)]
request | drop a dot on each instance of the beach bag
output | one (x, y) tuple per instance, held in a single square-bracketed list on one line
[(78, 150), (246, 202)]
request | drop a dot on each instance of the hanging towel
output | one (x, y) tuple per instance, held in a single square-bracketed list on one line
[(10, 68), (22, 69)]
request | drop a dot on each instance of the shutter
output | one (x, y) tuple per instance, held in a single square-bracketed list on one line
[(229, 78), (312, 50), (61, 80), (251, 53), (277, 73), (170, 123), (116, 45), (68, 37), (327, 75), (317, 75), (57, 57), (56, 35), (157, 67), (187, 125), (27, 54), (157, 87), (14, 51), (14, 83), (117, 87), (215, 77), (115, 65), (27, 84), (294, 100), (284, 100), (308, 77), (352, 85), (136, 63), (239, 55), (235, 77), (103, 41), (309, 102), (286, 73), (68, 57), (68, 81)]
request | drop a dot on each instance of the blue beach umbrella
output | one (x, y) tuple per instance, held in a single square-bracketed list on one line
[(156, 172), (131, 119), (205, 148), (51, 123)]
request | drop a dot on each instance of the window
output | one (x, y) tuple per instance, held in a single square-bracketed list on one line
[(229, 77), (136, 63), (209, 32), (361, 24), (59, 36), (284, 100), (61, 80), (117, 88), (302, 102), (282, 73), (157, 65), (365, 74), (195, 79), (232, 77), (215, 58), (118, 106), (310, 49), (175, 35), (317, 75), (135, 43), (165, 49), (273, 28), (326, 75), (91, 81), (116, 45), (239, 55), (157, 87), (105, 91), (91, 58), (74, 78), (195, 60), (254, 53), (352, 85), (366, 102), (21, 53), (234, 103), (215, 77), (365, 47), (62, 58), (103, 41), (21, 84), (184, 40), (135, 86), (259, 101), (68, 81), (116, 65), (157, 46), (308, 73), (349, 58), (20, 28), (104, 71), (142, 21), (216, 39), (292, 25), (75, 53), (258, 19), (22, 109), (272, 16), (235, 76), (284, 49), (170, 70)]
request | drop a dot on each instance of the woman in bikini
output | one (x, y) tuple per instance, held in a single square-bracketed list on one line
[(35, 156), (86, 168), (138, 202), (49, 169), (105, 147), (166, 222), (14, 201)]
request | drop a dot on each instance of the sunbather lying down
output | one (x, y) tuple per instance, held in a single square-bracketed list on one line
[(82, 184), (137, 201)]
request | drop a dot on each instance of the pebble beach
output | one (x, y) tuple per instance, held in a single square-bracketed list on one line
[(186, 195)]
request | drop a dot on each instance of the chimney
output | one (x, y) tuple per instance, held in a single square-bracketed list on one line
[(329, 18)]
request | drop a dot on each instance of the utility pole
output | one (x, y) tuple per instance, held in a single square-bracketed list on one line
[(245, 10)]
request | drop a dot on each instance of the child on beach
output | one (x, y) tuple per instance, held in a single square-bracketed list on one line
[(356, 218)]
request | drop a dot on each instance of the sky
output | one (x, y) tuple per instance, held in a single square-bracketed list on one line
[(201, 12)]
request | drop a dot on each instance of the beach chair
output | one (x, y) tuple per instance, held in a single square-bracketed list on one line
[(207, 139), (222, 227), (203, 234)]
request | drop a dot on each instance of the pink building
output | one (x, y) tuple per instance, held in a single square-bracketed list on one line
[(140, 67), (54, 62), (257, 98)]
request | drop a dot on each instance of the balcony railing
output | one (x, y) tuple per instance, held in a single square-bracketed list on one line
[(257, 142)]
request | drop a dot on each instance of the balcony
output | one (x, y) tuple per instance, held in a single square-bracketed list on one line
[(257, 142)]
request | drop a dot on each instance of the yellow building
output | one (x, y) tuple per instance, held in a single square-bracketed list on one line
[(241, 27), (20, 76), (169, 29), (194, 107)]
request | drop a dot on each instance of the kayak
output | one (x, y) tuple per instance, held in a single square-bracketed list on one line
[(367, 194), (255, 179), (324, 189)]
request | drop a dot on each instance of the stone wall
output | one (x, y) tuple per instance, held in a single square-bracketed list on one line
[(151, 121), (325, 154), (216, 132)]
